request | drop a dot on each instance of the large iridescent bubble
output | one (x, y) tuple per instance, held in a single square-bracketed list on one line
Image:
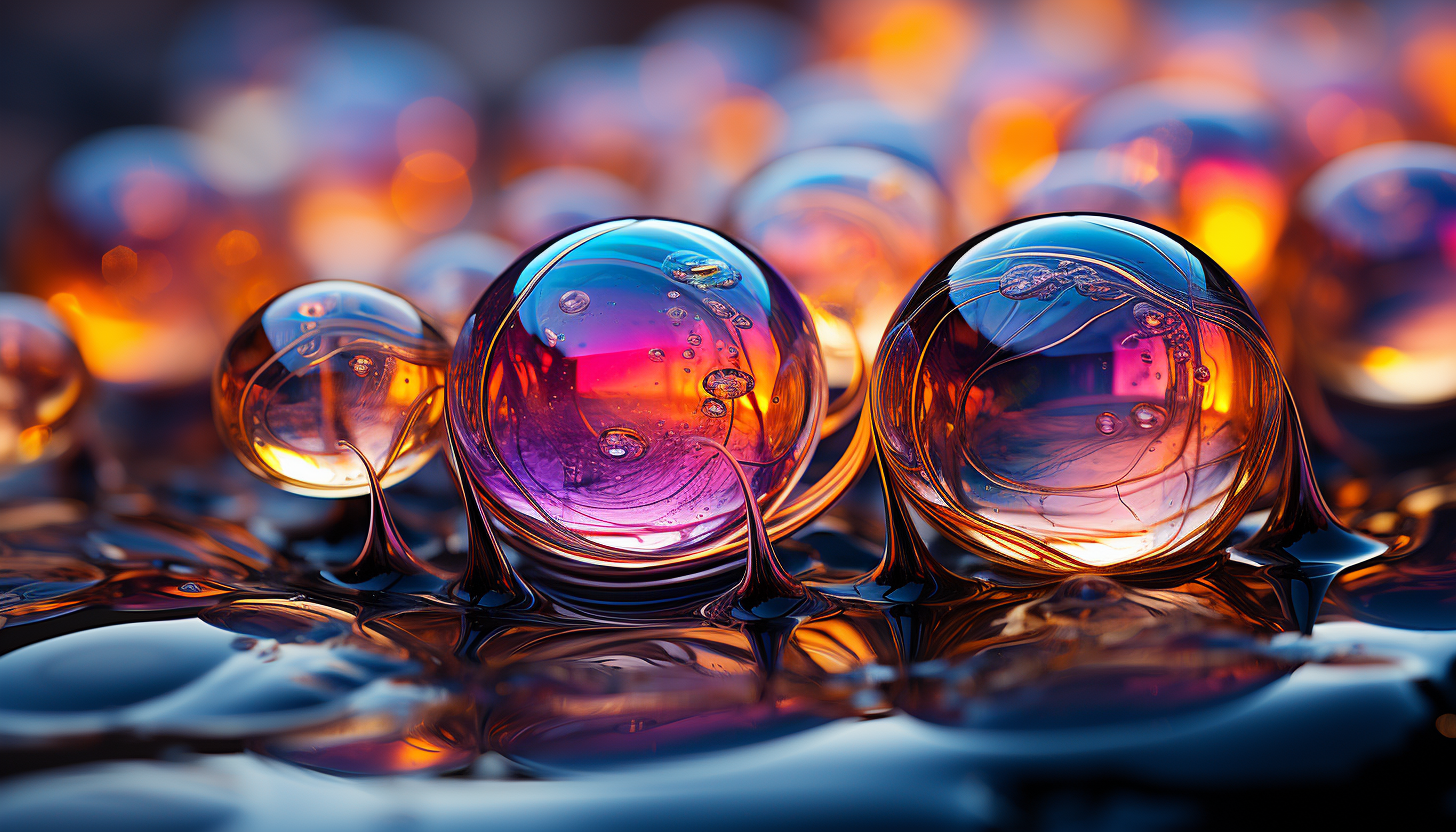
[(590, 365), (1077, 392)]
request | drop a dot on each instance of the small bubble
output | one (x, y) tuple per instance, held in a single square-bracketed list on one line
[(677, 313), (732, 352), (362, 365), (674, 294), (190, 587), (742, 322), (574, 301), (719, 308), (688, 353), (621, 444), (1148, 416), (1108, 424), (714, 408), (1150, 319), (656, 355), (728, 383), (775, 399), (695, 339), (1202, 374), (313, 309)]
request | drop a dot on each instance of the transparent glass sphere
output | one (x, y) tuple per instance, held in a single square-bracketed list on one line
[(1379, 228), (591, 363), (851, 228), (1077, 392), (328, 362), (41, 379)]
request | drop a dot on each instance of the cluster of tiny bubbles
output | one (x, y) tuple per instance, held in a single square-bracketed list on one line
[(41, 379), (332, 362), (1377, 306), (1077, 392), (590, 365)]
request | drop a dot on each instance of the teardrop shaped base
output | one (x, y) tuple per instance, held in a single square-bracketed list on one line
[(385, 561)]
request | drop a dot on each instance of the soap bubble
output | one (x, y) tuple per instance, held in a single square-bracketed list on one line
[(851, 228), (1375, 319), (41, 379), (329, 362), (1020, 416), (578, 422)]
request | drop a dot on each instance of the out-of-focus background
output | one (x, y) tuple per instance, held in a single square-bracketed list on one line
[(166, 167)]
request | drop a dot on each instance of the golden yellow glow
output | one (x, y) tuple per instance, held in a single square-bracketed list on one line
[(119, 346), (1234, 212), (913, 50), (431, 192), (346, 233), (1009, 137), (1429, 69)]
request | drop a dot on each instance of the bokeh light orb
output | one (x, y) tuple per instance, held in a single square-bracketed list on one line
[(328, 362), (591, 364), (851, 228), (147, 264), (1078, 392), (1379, 228), (41, 379)]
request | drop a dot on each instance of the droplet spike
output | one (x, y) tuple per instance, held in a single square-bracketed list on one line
[(488, 579), (907, 573), (1303, 547), (385, 556), (766, 593)]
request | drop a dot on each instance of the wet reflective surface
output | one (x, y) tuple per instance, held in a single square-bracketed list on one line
[(186, 667)]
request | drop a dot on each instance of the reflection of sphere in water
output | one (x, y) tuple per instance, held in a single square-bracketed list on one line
[(851, 227), (41, 378), (445, 276), (1380, 298), (326, 362), (589, 366), (1077, 392)]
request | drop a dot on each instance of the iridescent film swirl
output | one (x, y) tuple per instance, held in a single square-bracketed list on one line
[(1077, 392)]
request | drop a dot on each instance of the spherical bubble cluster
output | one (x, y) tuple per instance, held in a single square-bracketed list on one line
[(1039, 398), (1379, 225), (591, 365), (41, 379), (328, 362), (851, 227)]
